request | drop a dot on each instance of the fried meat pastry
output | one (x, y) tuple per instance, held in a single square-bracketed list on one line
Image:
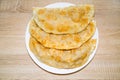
[(62, 58), (66, 20), (66, 41)]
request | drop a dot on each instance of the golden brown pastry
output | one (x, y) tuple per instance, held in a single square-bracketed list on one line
[(62, 58), (66, 41), (66, 20)]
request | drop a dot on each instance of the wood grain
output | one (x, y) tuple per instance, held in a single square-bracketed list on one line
[(16, 64)]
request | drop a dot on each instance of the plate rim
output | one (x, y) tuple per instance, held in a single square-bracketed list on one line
[(53, 69)]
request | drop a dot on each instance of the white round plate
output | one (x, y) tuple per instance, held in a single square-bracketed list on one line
[(49, 68)]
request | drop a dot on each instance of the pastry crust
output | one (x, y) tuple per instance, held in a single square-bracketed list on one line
[(66, 20)]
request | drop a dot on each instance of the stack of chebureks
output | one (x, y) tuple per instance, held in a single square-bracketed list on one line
[(62, 37)]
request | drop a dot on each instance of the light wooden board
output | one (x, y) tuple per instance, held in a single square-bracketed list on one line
[(16, 64)]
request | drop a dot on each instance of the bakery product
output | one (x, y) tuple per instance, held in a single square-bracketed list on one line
[(66, 41), (66, 20), (62, 37), (62, 58)]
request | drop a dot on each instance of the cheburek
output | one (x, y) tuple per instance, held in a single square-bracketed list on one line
[(66, 41), (62, 58), (66, 20)]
